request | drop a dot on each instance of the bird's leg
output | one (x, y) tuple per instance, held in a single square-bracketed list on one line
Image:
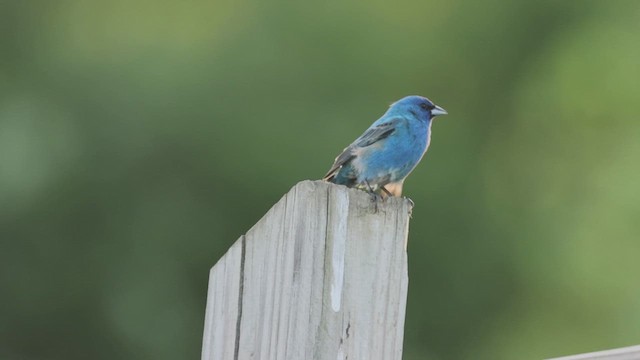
[(386, 191), (369, 187), (374, 195)]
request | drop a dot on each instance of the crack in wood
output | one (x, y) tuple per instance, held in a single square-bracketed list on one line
[(240, 295)]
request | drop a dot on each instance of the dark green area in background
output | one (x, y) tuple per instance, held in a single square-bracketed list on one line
[(139, 140)]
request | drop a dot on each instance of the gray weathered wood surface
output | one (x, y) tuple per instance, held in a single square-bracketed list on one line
[(626, 353), (323, 275)]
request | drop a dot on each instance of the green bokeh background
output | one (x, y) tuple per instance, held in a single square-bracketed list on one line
[(139, 140)]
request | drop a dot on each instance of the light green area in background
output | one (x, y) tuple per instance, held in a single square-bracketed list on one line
[(139, 140)]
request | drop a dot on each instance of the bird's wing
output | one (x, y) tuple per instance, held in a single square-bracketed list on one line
[(377, 133), (371, 136), (345, 156)]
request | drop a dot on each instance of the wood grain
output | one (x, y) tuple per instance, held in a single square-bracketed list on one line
[(323, 275)]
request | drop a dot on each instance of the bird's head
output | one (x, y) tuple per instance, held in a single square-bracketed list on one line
[(421, 107)]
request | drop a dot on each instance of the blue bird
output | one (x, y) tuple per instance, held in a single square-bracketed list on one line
[(381, 158)]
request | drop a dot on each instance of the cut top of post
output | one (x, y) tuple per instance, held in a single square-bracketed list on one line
[(323, 275)]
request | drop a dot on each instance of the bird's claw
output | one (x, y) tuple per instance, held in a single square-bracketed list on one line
[(410, 202), (411, 205), (375, 197)]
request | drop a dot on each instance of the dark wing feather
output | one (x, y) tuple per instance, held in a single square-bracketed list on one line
[(371, 136), (375, 134), (344, 157)]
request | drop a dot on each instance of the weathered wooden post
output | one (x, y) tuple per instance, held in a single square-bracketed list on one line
[(323, 275), (626, 353)]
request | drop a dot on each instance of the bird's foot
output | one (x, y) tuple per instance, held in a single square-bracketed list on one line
[(411, 205), (375, 198), (410, 201)]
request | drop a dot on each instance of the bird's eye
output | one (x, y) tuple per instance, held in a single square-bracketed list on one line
[(427, 106)]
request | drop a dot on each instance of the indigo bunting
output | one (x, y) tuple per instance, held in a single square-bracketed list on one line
[(382, 157)]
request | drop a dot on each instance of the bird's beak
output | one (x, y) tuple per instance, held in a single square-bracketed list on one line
[(437, 110)]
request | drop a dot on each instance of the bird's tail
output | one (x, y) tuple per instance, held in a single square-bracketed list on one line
[(330, 176)]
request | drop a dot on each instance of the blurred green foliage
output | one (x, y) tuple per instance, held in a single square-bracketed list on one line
[(138, 140)]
